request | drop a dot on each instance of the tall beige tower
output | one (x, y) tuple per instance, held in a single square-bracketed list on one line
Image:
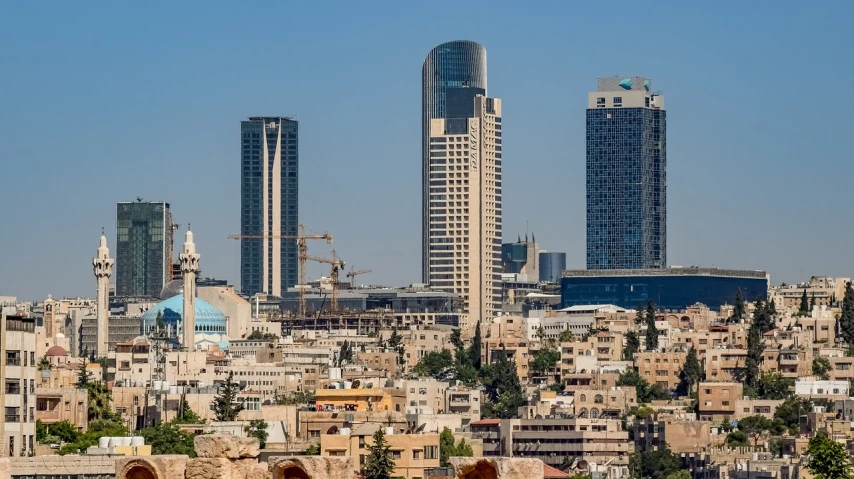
[(189, 267), (103, 267), (464, 225)]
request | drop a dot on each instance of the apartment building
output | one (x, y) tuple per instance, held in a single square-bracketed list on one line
[(605, 403), (18, 375), (414, 455), (556, 440), (717, 400), (313, 424), (662, 368), (756, 407), (363, 399), (680, 435), (57, 404), (423, 396), (724, 364), (465, 402)]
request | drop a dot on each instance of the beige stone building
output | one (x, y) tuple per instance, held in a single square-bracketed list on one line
[(661, 368), (724, 364), (717, 400), (59, 404), (756, 407), (413, 454), (820, 288), (607, 403), (680, 435), (463, 225), (464, 402)]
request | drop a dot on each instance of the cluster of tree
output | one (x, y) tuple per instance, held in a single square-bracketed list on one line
[(296, 397), (447, 448), (660, 464), (499, 379), (56, 433), (544, 359), (258, 335), (345, 355), (646, 392), (753, 427), (97, 429), (169, 438), (771, 385), (846, 319)]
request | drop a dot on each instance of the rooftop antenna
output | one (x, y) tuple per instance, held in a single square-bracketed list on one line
[(102, 231)]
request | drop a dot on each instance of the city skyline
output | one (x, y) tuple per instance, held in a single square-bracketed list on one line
[(731, 137)]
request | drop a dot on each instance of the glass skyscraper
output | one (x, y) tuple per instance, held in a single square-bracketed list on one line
[(143, 247), (626, 176), (269, 204), (449, 66)]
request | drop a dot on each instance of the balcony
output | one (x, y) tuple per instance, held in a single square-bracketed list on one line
[(49, 416), (13, 418)]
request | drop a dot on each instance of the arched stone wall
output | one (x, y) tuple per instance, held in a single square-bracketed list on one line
[(312, 467), (138, 469), (481, 470), (496, 468), (151, 467)]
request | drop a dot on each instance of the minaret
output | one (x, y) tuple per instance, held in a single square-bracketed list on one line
[(189, 267), (103, 266)]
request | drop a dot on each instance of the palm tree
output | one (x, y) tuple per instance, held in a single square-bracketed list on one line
[(44, 364)]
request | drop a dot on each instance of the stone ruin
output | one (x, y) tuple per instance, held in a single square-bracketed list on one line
[(496, 468), (226, 456)]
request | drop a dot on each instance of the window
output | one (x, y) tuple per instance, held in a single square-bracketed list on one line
[(725, 403), (431, 452), (618, 101), (600, 102)]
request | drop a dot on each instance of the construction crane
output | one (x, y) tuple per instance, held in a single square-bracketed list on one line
[(337, 265), (352, 275), (302, 254)]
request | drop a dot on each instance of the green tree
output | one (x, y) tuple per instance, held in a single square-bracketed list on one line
[(378, 463), (168, 438), (681, 474), (41, 431), (691, 373), (225, 405), (640, 317), (83, 373), (544, 359), (476, 347), (805, 305), (790, 412), (64, 430), (644, 412), (737, 439), (812, 301), (754, 427), (773, 385), (257, 428), (502, 388), (345, 354), (433, 363), (44, 364), (98, 428), (456, 339), (738, 307), (755, 347), (658, 464), (446, 446), (821, 368), (99, 402), (772, 308), (631, 346), (846, 319), (566, 335), (828, 459), (312, 450), (395, 339), (651, 330)]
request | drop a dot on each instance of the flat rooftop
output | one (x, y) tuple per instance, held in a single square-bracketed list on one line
[(692, 271)]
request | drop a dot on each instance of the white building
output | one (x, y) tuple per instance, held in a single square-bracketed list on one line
[(812, 387), (18, 376)]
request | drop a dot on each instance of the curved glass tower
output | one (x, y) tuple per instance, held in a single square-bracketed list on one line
[(461, 63)]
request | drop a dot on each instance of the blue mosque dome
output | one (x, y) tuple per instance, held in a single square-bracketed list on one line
[(209, 320)]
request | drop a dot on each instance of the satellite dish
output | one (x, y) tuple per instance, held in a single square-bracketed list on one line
[(369, 385), (332, 430), (420, 428), (538, 416), (582, 464), (356, 384)]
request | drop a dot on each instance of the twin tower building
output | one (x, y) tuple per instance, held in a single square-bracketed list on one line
[(462, 183)]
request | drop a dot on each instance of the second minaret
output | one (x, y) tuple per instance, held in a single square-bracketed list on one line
[(189, 267)]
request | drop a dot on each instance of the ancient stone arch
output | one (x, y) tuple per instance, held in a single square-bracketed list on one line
[(138, 469), (481, 470), (312, 467)]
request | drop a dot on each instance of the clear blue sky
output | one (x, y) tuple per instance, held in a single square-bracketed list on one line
[(104, 102)]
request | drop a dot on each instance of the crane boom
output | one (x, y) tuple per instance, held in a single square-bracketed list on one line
[(352, 275), (302, 255)]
